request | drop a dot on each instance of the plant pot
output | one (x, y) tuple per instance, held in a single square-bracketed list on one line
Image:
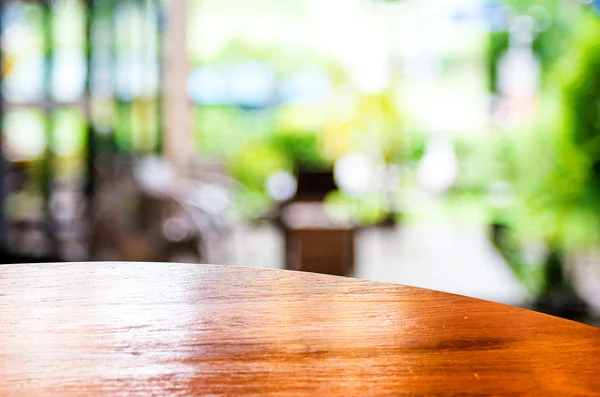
[(560, 297)]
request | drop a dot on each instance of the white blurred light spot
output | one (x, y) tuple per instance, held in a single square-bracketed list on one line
[(522, 29), (175, 229), (25, 137), (68, 81), (154, 173), (438, 170), (518, 73), (282, 186), (371, 77), (353, 173), (66, 205), (213, 199), (25, 82)]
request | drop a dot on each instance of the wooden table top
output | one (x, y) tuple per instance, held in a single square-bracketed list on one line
[(117, 329)]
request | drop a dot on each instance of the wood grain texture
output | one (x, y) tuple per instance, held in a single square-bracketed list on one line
[(120, 329)]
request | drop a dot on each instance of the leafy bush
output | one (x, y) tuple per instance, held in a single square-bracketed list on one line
[(300, 147), (255, 162)]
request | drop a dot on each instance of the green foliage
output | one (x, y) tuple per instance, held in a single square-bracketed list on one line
[(379, 120), (221, 131), (365, 211), (249, 203), (496, 46), (548, 45), (581, 98), (255, 162), (524, 6), (548, 173), (550, 179), (301, 147), (124, 127), (475, 165), (554, 164), (416, 144)]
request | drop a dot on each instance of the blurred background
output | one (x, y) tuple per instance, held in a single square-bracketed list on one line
[(445, 144)]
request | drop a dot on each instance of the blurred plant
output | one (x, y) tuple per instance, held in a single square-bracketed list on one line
[(551, 179), (497, 45), (553, 184), (367, 210), (551, 24), (222, 130), (297, 136), (371, 123), (255, 162), (556, 174), (558, 161), (540, 196), (416, 145), (580, 98), (302, 148), (380, 124), (474, 154), (293, 132)]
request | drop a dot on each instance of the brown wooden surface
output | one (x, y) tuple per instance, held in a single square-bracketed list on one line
[(120, 329), (325, 251)]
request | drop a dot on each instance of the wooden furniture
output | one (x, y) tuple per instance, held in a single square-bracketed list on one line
[(321, 250), (316, 243), (111, 329)]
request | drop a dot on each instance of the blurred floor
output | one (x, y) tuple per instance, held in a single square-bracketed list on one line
[(457, 259)]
